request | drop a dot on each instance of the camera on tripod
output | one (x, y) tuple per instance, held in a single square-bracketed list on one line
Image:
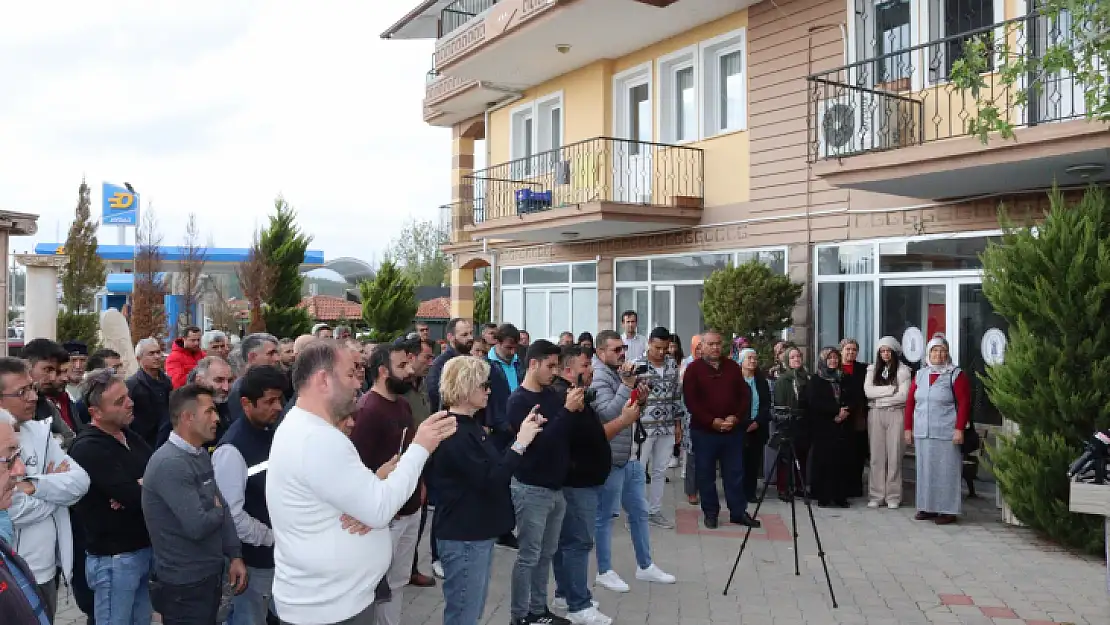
[(787, 422)]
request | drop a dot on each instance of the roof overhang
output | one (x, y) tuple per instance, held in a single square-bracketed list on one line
[(422, 22)]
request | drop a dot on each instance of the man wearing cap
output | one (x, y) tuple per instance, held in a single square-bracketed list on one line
[(78, 356)]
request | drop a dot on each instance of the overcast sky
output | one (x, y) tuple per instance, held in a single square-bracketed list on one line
[(215, 107)]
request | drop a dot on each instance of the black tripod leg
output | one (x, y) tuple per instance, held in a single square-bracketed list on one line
[(792, 463), (748, 534), (816, 534)]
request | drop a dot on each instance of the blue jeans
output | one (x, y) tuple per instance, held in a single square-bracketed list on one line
[(121, 587), (627, 486), (250, 607), (539, 521), (711, 448), (576, 540), (467, 566)]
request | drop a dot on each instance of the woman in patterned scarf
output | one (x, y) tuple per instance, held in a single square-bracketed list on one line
[(826, 409)]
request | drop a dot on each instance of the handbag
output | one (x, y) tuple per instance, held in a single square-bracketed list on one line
[(971, 436)]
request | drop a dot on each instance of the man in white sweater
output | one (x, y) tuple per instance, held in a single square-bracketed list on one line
[(329, 513)]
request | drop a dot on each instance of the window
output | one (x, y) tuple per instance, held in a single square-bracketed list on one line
[(536, 133), (949, 18), (703, 89), (892, 34), (678, 96), (542, 300), (725, 83)]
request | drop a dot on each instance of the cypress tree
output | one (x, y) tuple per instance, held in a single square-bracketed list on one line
[(283, 246), (388, 303)]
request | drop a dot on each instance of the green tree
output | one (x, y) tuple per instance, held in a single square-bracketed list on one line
[(83, 327), (84, 273), (1077, 55), (388, 303), (283, 245), (417, 250), (750, 300), (482, 296), (1052, 283), (148, 294)]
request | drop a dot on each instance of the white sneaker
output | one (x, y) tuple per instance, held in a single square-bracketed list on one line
[(589, 616), (437, 569), (560, 603), (892, 505), (612, 581), (873, 504), (654, 574)]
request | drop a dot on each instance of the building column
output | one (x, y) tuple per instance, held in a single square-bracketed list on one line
[(462, 188), (462, 292), (41, 314)]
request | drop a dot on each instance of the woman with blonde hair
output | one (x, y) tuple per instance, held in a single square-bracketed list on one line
[(937, 412), (887, 387), (471, 480)]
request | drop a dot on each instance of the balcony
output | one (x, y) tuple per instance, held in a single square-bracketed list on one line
[(455, 219), (895, 124), (449, 100), (601, 187)]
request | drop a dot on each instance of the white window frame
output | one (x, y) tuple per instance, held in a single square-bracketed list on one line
[(546, 288), (621, 83), (667, 68), (538, 110), (710, 53)]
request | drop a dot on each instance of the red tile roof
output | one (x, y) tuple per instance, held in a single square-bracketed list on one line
[(328, 308), (438, 308)]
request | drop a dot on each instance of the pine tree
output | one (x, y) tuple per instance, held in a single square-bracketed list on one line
[(388, 303), (1052, 284), (283, 246), (482, 295), (752, 301), (84, 273)]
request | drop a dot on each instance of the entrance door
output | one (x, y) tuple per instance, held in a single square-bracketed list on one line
[(632, 170), (913, 310)]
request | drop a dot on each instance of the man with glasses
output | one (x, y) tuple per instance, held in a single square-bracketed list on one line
[(28, 605), (40, 508), (150, 389), (613, 383), (111, 513)]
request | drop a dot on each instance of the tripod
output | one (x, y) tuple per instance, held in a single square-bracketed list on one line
[(785, 447)]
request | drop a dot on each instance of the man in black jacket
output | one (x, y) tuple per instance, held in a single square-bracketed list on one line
[(460, 338), (21, 601), (150, 389), (590, 458), (111, 513)]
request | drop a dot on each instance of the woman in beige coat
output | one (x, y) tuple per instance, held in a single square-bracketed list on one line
[(887, 387)]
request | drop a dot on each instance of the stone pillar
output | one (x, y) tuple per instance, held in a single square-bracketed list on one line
[(462, 188), (42, 295), (462, 291)]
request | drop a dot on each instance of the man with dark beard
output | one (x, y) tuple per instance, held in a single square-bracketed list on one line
[(460, 339), (384, 427), (214, 374)]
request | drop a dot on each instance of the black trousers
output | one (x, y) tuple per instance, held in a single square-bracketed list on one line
[(753, 464), (833, 464), (197, 603)]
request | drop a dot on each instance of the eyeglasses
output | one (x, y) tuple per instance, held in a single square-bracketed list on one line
[(23, 393), (10, 462)]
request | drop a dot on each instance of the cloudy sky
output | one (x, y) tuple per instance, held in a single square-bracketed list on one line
[(215, 107)]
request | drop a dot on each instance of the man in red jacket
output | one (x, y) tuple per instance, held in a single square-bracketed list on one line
[(184, 356), (719, 401)]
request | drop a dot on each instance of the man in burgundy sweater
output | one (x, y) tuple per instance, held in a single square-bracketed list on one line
[(383, 428), (719, 402)]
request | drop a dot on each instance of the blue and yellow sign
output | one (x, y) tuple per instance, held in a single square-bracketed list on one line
[(121, 207)]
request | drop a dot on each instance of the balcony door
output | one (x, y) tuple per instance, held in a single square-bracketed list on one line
[(632, 121)]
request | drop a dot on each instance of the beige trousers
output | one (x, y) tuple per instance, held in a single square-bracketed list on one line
[(885, 438)]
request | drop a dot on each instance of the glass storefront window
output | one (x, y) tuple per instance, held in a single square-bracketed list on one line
[(535, 313), (510, 276), (511, 302), (775, 259), (977, 318), (687, 267), (845, 260), (846, 310), (933, 254), (552, 274), (632, 271), (633, 298), (586, 272), (584, 311), (554, 306)]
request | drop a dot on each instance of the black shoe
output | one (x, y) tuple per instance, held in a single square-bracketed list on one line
[(547, 618), (710, 522), (508, 541), (746, 520), (783, 497)]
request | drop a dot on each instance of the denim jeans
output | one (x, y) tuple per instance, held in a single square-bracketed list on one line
[(250, 607), (539, 521), (625, 486), (727, 449), (467, 566), (120, 587), (576, 540)]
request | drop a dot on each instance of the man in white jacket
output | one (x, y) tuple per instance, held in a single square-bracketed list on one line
[(40, 507), (329, 513)]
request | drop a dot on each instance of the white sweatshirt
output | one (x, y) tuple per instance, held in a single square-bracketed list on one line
[(324, 574)]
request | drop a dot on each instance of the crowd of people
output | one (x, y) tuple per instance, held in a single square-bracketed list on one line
[(257, 479)]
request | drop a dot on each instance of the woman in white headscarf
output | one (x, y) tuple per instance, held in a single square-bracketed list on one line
[(887, 387), (937, 411)]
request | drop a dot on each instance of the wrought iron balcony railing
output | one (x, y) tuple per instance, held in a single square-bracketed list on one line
[(459, 12), (905, 97), (453, 220), (602, 169)]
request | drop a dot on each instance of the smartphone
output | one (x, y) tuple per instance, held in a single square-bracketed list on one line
[(635, 398), (401, 449)]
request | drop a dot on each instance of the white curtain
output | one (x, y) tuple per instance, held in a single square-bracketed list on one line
[(859, 315)]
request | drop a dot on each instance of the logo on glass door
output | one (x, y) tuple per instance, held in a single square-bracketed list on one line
[(993, 346), (913, 344)]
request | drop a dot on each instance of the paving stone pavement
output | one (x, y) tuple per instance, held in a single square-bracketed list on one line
[(886, 569)]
